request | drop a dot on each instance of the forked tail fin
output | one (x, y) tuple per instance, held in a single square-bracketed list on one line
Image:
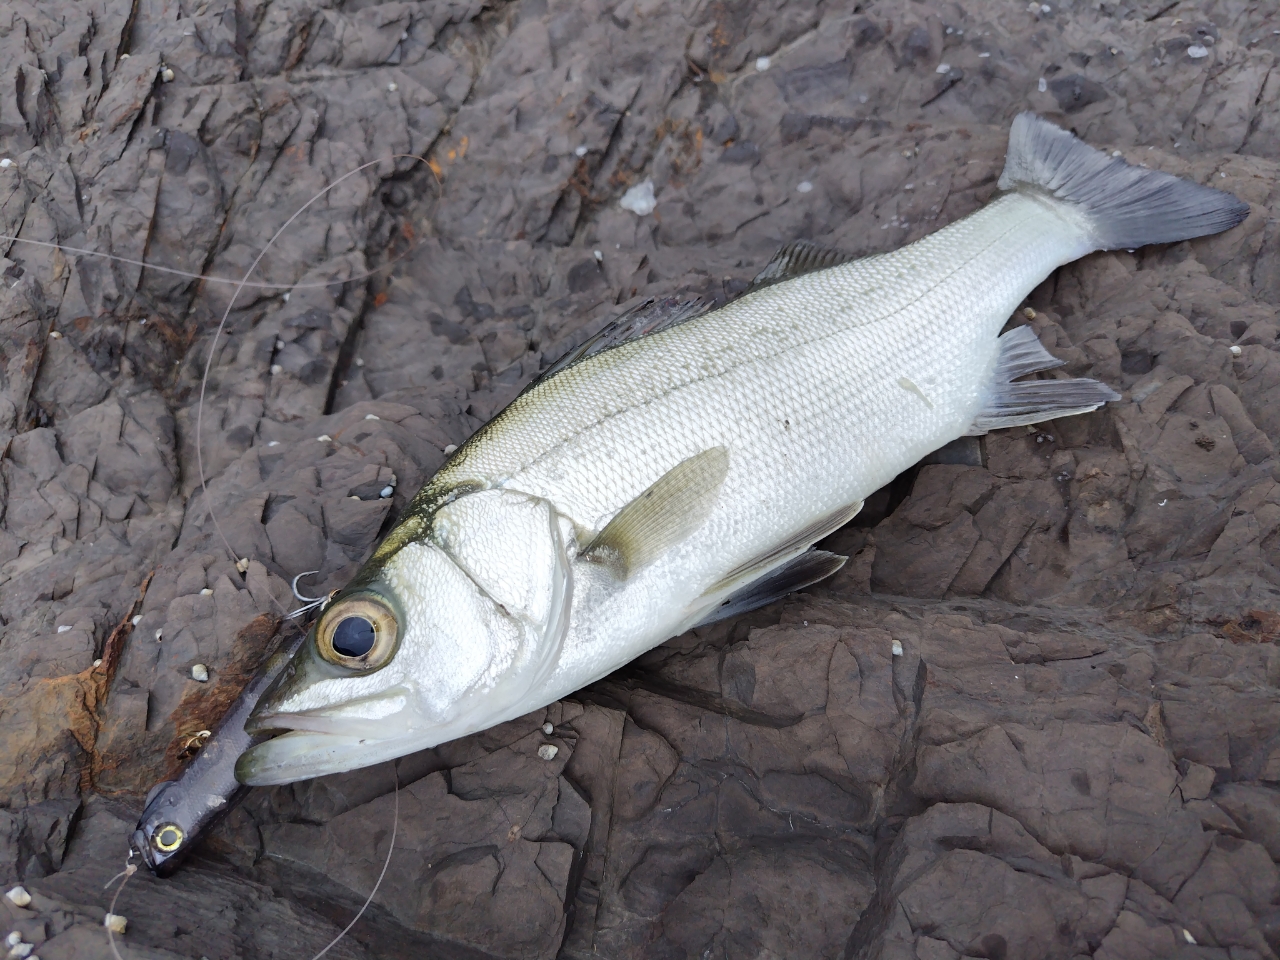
[(1122, 206)]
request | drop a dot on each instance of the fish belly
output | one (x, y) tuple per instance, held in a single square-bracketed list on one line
[(822, 389)]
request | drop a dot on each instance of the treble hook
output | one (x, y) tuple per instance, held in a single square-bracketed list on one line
[(300, 596)]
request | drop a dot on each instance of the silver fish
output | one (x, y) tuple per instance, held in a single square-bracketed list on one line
[(684, 476)]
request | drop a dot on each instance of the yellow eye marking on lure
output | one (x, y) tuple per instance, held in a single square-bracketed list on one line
[(168, 837)]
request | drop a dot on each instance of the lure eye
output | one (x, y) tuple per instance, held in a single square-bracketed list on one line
[(167, 837), (359, 632)]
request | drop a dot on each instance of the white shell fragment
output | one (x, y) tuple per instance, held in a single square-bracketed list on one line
[(200, 672), (942, 68), (64, 629), (115, 923), (324, 438), (276, 369), (98, 662), (19, 897), (762, 64), (804, 186), (1236, 351), (243, 564), (136, 620), (386, 492), (548, 751), (548, 729), (599, 255), (159, 635), (166, 75), (372, 416), (580, 151), (6, 163), (1186, 935), (1197, 51), (1042, 85), (639, 199), (450, 448), (206, 592), (897, 648), (55, 335), (391, 87), (13, 939), (20, 950)]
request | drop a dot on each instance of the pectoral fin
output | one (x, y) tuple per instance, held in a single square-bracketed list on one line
[(663, 516)]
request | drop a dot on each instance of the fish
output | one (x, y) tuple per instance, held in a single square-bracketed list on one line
[(680, 468), (178, 812)]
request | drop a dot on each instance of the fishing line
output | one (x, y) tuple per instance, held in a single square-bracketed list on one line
[(130, 868), (395, 825)]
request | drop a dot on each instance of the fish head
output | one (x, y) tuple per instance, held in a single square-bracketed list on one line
[(451, 631)]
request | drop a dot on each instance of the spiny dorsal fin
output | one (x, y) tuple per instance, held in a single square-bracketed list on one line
[(1033, 401), (650, 316), (758, 566), (795, 260), (664, 515)]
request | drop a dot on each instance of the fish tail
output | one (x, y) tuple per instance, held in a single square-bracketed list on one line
[(1121, 206)]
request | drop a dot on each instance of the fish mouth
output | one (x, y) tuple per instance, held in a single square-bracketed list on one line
[(306, 744)]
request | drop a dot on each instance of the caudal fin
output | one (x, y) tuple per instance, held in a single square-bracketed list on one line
[(1123, 206)]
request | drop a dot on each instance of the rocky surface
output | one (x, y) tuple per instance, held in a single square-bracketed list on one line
[(1037, 715)]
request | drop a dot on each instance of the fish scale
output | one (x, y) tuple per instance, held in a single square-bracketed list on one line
[(677, 472)]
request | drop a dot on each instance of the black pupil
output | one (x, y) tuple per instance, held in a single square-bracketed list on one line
[(353, 637)]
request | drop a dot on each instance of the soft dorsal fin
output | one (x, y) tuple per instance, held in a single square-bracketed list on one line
[(1033, 401), (650, 316), (795, 260), (663, 516), (802, 571)]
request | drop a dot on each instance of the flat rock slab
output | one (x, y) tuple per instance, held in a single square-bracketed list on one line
[(1037, 715)]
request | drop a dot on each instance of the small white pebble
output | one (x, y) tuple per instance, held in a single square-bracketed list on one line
[(64, 629), (124, 56), (273, 443), (55, 335), (18, 896), (391, 87), (159, 635), (984, 54), (276, 369), (762, 64), (114, 922), (804, 186), (1222, 175), (599, 255), (942, 68), (13, 939), (6, 163), (324, 438), (548, 751), (548, 729), (98, 662), (1186, 935), (206, 592), (1045, 8), (1197, 51), (359, 362), (897, 648), (20, 950), (200, 672), (285, 296), (1236, 351), (372, 416), (908, 186), (279, 344), (640, 198), (136, 620), (243, 564), (353, 497), (1116, 153), (1042, 85), (580, 151), (386, 492), (450, 448), (166, 75)]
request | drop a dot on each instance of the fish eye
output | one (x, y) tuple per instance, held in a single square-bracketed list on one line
[(359, 632), (167, 837)]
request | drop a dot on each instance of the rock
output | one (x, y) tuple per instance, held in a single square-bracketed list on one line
[(1035, 714)]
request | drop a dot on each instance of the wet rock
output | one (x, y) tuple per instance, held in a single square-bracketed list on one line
[(1036, 713)]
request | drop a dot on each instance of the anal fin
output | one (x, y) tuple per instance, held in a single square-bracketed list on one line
[(1012, 404), (663, 516), (802, 571)]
